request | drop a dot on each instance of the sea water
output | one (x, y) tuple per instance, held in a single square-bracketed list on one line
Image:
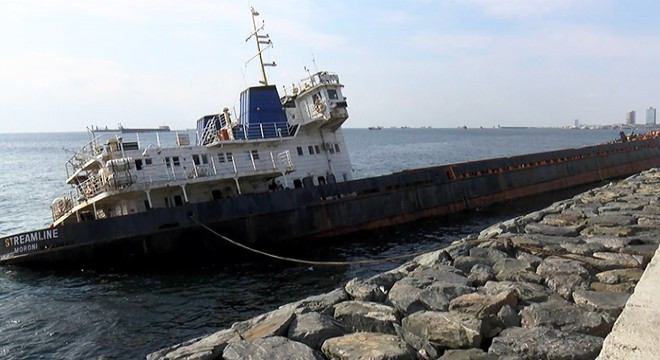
[(86, 314)]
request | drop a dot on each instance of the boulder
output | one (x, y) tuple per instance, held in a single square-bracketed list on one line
[(618, 276), (366, 316), (445, 329), (554, 265), (566, 284), (313, 329), (583, 249), (203, 348), (372, 289), (270, 348), (320, 303), (490, 256), (526, 292), (563, 219), (623, 288), (438, 257), (428, 289), (646, 251), (370, 346), (609, 242), (274, 323), (611, 303), (538, 228), (545, 343), (508, 316), (467, 354), (621, 260), (510, 269), (481, 274), (620, 231), (533, 260), (612, 220), (564, 316), (424, 348), (465, 263), (483, 305)]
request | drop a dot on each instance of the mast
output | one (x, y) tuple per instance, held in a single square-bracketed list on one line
[(260, 39)]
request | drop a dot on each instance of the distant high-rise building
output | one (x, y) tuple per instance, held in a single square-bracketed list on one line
[(577, 123), (630, 118), (650, 116)]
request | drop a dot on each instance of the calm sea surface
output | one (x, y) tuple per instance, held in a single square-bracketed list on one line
[(125, 315)]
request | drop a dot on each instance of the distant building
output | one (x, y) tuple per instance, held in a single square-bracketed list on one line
[(577, 123), (650, 116), (630, 118)]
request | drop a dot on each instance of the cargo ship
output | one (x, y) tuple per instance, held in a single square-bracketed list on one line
[(275, 174)]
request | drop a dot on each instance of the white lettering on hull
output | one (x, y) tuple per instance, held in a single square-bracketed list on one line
[(27, 242)]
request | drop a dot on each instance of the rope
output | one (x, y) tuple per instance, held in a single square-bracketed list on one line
[(312, 262), (506, 242)]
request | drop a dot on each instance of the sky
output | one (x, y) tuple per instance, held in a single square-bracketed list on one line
[(70, 64)]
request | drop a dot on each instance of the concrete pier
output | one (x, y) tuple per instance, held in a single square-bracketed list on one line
[(552, 284)]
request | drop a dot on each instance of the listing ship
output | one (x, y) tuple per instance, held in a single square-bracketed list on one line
[(276, 173)]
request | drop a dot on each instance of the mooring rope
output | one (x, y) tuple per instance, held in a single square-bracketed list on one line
[(332, 263), (506, 242)]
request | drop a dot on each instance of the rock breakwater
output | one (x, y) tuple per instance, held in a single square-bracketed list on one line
[(546, 285)]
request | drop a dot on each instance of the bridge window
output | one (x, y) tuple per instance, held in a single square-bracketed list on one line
[(337, 148), (300, 150), (221, 157), (255, 154), (176, 161), (138, 164), (230, 157), (318, 150), (332, 94), (310, 149)]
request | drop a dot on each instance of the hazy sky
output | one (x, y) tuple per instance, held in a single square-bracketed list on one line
[(68, 64)]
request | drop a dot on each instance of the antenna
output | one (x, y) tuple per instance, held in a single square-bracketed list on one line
[(260, 40), (316, 69)]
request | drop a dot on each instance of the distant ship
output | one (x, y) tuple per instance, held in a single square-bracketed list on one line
[(121, 129), (377, 127)]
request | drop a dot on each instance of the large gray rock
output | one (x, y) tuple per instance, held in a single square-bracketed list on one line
[(271, 348), (563, 219), (622, 288), (313, 329), (612, 220), (510, 269), (424, 348), (621, 260), (490, 256), (527, 292), (538, 228), (366, 316), (508, 316), (465, 263), (438, 257), (606, 302), (545, 343), (583, 249), (203, 348), (557, 265), (483, 305), (564, 316), (445, 329), (370, 346), (467, 354), (320, 303), (618, 276), (481, 274), (373, 289), (428, 289), (609, 242), (566, 284), (274, 323)]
